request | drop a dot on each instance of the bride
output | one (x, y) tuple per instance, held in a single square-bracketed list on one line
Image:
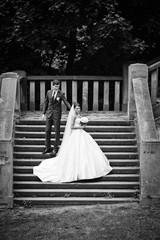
[(79, 156)]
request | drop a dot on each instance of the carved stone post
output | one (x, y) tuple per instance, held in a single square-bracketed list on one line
[(23, 89), (137, 70)]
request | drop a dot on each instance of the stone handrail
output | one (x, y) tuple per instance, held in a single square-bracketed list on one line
[(145, 117), (154, 66), (9, 106), (140, 107)]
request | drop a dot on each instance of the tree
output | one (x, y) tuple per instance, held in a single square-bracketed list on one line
[(66, 37), (144, 15)]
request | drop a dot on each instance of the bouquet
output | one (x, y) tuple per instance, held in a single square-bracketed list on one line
[(84, 121)]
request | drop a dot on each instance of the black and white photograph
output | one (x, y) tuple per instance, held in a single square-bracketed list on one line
[(80, 119)]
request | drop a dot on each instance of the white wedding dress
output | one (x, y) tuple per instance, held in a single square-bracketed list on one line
[(80, 158)]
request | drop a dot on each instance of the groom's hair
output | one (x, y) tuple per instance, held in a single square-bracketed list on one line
[(56, 82)]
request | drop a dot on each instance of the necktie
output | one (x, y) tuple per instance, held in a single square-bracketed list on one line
[(54, 94)]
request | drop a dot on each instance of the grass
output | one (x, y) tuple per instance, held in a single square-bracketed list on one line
[(99, 222)]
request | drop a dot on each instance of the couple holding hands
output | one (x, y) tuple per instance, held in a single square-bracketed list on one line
[(79, 156)]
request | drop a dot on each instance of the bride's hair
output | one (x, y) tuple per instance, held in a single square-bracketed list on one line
[(75, 104)]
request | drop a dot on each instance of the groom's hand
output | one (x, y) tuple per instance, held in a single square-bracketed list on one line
[(43, 117)]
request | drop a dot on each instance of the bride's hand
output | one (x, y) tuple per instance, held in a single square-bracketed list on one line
[(83, 125)]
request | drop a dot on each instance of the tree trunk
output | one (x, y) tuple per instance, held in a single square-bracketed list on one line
[(71, 52)]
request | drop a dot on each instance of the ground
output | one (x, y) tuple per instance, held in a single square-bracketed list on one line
[(99, 222)]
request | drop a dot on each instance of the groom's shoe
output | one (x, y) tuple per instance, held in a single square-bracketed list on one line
[(47, 150), (54, 152)]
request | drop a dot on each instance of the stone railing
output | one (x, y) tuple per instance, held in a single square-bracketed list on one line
[(9, 113), (92, 92), (153, 74), (140, 108), (154, 89)]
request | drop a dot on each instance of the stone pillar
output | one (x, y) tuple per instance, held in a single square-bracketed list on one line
[(23, 89), (7, 111), (136, 70), (6, 173), (154, 86), (0, 84), (125, 87)]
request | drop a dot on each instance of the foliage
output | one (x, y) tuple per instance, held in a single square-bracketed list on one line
[(145, 18), (67, 36)]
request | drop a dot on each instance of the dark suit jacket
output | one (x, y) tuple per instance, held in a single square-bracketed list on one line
[(52, 107)]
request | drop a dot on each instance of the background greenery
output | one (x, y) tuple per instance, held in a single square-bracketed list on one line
[(91, 37)]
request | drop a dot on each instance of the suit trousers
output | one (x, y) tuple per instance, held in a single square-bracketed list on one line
[(49, 123)]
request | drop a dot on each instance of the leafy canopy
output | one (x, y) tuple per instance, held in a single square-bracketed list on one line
[(66, 37)]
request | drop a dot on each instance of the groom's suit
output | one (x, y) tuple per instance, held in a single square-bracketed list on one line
[(53, 111)]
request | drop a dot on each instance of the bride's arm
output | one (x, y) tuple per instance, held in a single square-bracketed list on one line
[(80, 127)]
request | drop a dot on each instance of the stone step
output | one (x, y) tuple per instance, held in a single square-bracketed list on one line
[(104, 135), (67, 193), (39, 128), (39, 148), (109, 155), (113, 162), (91, 122), (117, 139), (84, 184), (116, 170), (41, 141), (110, 177), (59, 201)]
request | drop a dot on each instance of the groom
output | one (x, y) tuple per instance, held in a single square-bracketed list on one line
[(52, 112)]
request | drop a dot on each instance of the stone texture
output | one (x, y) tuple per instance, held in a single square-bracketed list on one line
[(144, 110), (150, 170), (7, 109), (135, 71), (149, 144)]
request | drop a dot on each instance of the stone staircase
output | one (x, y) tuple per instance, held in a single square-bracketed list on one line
[(118, 141)]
